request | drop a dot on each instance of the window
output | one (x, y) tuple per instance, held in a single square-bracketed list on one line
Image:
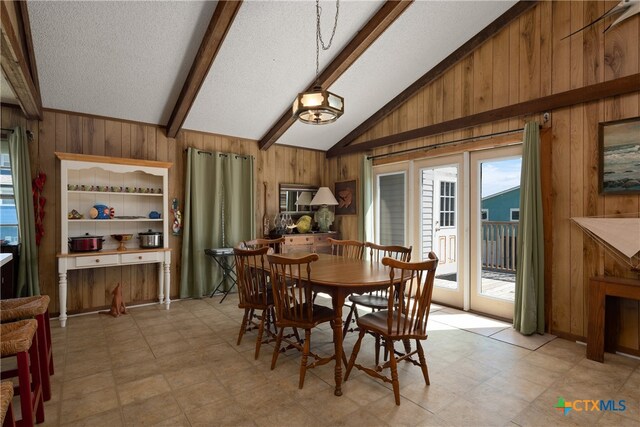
[(447, 204), (514, 214), (484, 214), (8, 214), (391, 209)]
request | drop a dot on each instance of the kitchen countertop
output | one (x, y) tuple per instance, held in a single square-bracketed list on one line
[(5, 258)]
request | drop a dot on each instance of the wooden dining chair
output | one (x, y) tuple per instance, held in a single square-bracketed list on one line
[(375, 300), (275, 244), (290, 278), (346, 248), (255, 294), (405, 318)]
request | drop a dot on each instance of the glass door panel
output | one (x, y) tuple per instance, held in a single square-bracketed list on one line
[(439, 223), (495, 201)]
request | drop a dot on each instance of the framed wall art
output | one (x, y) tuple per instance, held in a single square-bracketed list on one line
[(347, 195), (619, 157)]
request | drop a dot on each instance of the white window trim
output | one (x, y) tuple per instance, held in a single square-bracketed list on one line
[(484, 211), (511, 211)]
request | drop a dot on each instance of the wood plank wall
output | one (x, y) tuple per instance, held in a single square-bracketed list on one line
[(527, 60), (78, 133)]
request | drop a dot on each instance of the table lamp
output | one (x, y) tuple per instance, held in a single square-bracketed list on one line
[(304, 199), (324, 217)]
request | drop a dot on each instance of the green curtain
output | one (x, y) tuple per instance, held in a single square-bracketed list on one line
[(219, 208), (239, 189), (365, 217), (28, 283), (529, 298)]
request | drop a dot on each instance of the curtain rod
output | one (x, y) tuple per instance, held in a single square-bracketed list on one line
[(445, 144), (219, 154), (29, 133)]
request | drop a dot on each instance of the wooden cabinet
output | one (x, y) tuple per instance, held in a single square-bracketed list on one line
[(310, 242), (136, 192)]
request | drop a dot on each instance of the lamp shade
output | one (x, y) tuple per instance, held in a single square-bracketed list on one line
[(324, 196), (318, 107), (304, 199)]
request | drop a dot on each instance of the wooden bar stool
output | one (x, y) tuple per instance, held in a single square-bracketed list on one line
[(35, 307), (6, 407), (20, 339)]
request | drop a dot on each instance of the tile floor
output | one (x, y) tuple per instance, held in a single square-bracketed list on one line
[(182, 368)]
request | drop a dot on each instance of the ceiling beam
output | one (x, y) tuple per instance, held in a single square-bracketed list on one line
[(616, 87), (434, 73), (217, 30), (377, 25), (20, 71)]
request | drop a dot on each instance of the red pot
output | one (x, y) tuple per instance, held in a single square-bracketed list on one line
[(85, 243)]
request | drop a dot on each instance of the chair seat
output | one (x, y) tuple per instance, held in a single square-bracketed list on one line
[(17, 337), (6, 395), (371, 301), (321, 314), (377, 323), (23, 308)]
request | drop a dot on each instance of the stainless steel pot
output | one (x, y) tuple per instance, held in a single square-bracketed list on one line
[(150, 239), (85, 243)]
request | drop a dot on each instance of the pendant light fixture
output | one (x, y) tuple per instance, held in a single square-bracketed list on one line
[(319, 106)]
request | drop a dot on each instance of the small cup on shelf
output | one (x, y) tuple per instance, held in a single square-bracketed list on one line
[(115, 189), (72, 187)]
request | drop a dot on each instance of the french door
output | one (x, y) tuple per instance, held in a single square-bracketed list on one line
[(495, 213), (465, 208), (439, 222)]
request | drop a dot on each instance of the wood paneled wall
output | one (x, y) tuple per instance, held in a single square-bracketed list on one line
[(77, 133), (528, 59)]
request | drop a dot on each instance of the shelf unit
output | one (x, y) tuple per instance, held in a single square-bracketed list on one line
[(99, 171)]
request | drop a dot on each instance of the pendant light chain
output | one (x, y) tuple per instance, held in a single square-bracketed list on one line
[(319, 40)]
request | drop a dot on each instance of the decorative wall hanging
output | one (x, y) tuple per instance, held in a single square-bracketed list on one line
[(619, 156), (347, 195)]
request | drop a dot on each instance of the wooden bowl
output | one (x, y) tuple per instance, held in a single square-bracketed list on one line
[(122, 238)]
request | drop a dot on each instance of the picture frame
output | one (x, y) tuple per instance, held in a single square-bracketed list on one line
[(619, 156), (346, 193)]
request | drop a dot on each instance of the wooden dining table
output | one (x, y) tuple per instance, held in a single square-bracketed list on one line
[(340, 277)]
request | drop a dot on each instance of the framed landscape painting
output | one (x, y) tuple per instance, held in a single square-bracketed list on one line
[(619, 152), (347, 196)]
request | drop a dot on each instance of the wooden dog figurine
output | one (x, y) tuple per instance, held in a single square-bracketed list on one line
[(117, 303)]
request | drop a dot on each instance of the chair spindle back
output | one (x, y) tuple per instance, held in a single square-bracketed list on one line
[(253, 272), (409, 310), (291, 281), (346, 248)]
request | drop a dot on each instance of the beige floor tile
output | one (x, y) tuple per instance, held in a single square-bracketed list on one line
[(225, 412), (200, 394), (77, 388), (151, 411), (530, 342), (88, 405), (111, 418), (135, 371), (177, 421), (518, 387), (615, 419), (142, 389), (108, 372)]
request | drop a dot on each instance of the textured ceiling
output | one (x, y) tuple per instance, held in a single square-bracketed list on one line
[(126, 59), (130, 59)]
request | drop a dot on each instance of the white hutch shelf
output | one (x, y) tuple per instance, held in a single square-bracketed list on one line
[(132, 211)]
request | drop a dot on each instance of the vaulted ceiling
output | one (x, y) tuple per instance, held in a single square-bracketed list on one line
[(130, 60)]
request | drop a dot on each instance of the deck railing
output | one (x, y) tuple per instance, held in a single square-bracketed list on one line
[(498, 245)]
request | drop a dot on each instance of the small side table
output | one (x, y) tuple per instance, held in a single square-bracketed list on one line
[(225, 260), (599, 289)]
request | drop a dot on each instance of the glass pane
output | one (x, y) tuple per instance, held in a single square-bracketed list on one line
[(391, 216), (437, 222), (500, 193)]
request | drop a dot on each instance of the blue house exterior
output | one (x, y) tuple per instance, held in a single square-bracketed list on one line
[(498, 206)]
